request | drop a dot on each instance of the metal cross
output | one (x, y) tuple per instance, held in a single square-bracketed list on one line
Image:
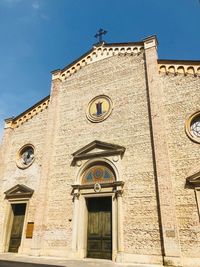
[(99, 34)]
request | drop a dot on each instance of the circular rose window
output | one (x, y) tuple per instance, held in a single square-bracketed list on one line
[(193, 127), (25, 156)]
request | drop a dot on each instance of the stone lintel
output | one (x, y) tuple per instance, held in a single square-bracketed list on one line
[(103, 185)]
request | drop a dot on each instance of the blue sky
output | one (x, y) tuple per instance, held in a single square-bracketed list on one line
[(38, 36)]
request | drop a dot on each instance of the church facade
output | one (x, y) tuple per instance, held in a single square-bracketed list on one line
[(107, 165)]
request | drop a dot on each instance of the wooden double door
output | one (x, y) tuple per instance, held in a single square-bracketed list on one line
[(18, 211), (99, 239)]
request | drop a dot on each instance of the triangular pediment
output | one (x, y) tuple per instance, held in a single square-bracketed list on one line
[(97, 149), (194, 179), (19, 191)]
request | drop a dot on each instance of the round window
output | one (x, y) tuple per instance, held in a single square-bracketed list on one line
[(192, 127), (25, 156), (195, 127)]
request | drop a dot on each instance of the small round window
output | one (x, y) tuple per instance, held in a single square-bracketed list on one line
[(25, 156), (193, 127)]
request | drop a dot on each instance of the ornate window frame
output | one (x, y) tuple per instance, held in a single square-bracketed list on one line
[(188, 124), (101, 118), (19, 154)]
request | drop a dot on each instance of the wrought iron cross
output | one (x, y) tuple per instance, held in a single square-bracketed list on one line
[(99, 34)]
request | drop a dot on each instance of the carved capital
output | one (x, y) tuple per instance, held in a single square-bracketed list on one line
[(76, 195), (119, 193)]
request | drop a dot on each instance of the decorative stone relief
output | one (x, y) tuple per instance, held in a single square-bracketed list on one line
[(99, 108)]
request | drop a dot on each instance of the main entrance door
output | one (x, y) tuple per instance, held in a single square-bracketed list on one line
[(99, 240), (17, 226)]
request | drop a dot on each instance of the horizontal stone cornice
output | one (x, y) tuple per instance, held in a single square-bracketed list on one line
[(179, 67), (194, 179), (98, 52), (27, 114)]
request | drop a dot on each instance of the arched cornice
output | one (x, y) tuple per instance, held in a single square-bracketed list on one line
[(179, 67), (98, 52), (27, 114)]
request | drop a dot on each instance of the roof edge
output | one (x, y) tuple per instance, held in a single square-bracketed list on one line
[(179, 61), (28, 114), (32, 107)]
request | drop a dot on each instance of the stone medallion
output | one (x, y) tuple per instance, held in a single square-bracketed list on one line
[(99, 108)]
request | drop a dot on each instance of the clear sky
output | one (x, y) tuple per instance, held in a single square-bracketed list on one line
[(38, 36)]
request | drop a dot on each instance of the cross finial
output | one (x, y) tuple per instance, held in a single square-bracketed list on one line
[(99, 34)]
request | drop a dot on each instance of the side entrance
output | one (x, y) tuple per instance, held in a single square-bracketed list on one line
[(18, 213), (99, 237)]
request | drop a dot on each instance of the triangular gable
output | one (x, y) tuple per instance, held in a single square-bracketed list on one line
[(97, 149), (98, 52), (19, 191)]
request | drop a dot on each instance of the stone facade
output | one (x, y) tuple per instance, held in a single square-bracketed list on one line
[(155, 195)]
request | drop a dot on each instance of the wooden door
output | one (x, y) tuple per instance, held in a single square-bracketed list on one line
[(99, 242), (17, 226)]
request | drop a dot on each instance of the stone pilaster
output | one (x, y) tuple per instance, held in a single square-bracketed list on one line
[(120, 229), (166, 203), (4, 209), (40, 217), (75, 221)]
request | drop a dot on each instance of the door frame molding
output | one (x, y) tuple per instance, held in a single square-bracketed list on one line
[(81, 192), (80, 222), (9, 222), (18, 194), (110, 209)]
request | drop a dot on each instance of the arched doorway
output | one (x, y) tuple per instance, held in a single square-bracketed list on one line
[(96, 225), (99, 209)]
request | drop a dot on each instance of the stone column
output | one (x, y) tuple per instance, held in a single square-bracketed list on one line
[(120, 230), (41, 213), (165, 194), (75, 222)]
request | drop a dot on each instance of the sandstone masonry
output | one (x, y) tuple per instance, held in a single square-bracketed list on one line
[(154, 195)]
